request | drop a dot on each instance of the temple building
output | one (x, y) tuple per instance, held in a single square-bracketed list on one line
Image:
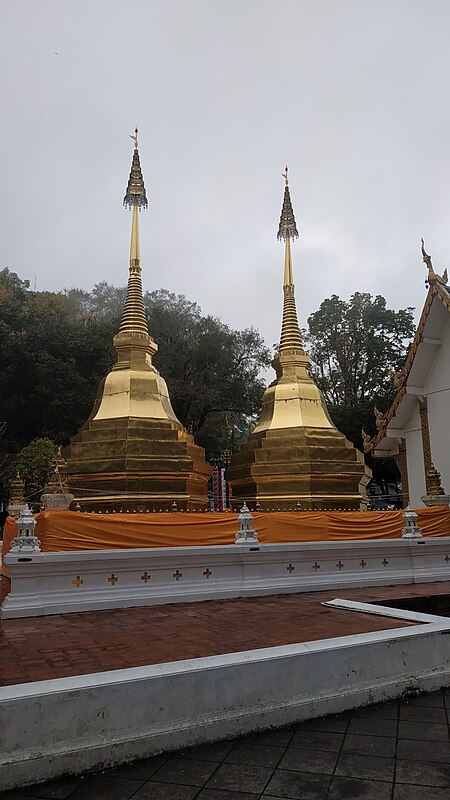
[(133, 454), (295, 457), (416, 428)]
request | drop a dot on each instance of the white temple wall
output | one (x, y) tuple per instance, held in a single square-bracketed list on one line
[(438, 393)]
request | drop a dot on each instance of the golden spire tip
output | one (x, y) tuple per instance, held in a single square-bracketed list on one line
[(285, 175)]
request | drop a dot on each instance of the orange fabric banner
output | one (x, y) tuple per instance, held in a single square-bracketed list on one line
[(70, 530)]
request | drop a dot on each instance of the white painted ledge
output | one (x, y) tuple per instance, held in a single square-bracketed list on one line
[(71, 725), (54, 583), (385, 611)]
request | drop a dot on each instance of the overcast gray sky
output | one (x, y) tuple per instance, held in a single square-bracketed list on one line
[(352, 94)]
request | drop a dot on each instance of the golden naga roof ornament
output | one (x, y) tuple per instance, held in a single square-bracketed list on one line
[(380, 419), (367, 441), (432, 275), (397, 378)]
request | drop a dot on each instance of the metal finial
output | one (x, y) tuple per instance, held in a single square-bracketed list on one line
[(135, 138), (135, 192), (287, 227)]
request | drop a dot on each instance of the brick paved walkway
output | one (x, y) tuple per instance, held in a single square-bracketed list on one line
[(394, 751), (73, 644), (57, 646)]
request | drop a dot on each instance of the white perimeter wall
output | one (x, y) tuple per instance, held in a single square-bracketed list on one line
[(56, 583)]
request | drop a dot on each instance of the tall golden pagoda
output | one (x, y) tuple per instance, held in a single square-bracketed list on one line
[(133, 454), (295, 456)]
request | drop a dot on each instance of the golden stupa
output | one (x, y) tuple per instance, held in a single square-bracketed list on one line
[(296, 458), (133, 454)]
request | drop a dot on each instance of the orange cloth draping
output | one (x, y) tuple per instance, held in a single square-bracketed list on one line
[(69, 530)]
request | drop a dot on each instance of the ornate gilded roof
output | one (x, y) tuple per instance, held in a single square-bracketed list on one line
[(437, 287)]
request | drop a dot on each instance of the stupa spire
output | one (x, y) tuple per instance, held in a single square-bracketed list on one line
[(295, 455), (133, 453), (133, 314), (290, 339)]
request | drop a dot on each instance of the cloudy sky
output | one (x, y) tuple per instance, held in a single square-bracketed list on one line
[(352, 94)]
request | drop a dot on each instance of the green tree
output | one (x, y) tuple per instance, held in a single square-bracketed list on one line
[(52, 358), (105, 301), (213, 371), (354, 346), (33, 463), (52, 362)]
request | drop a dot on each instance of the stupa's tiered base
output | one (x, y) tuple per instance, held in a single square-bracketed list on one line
[(131, 464), (316, 467)]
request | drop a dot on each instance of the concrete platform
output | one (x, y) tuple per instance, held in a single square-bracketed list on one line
[(395, 751), (187, 674)]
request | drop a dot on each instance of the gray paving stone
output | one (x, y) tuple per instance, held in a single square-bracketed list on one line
[(416, 750), (58, 789), (16, 794), (346, 788), (219, 794), (165, 791), (318, 740), (106, 787), (206, 752), (431, 700), (337, 724), (371, 767), (255, 755), (423, 730), (297, 785), (280, 737), (423, 773), (419, 793), (185, 771), (422, 714), (373, 727), (359, 745), (380, 711), (237, 778), (143, 769), (309, 761)]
